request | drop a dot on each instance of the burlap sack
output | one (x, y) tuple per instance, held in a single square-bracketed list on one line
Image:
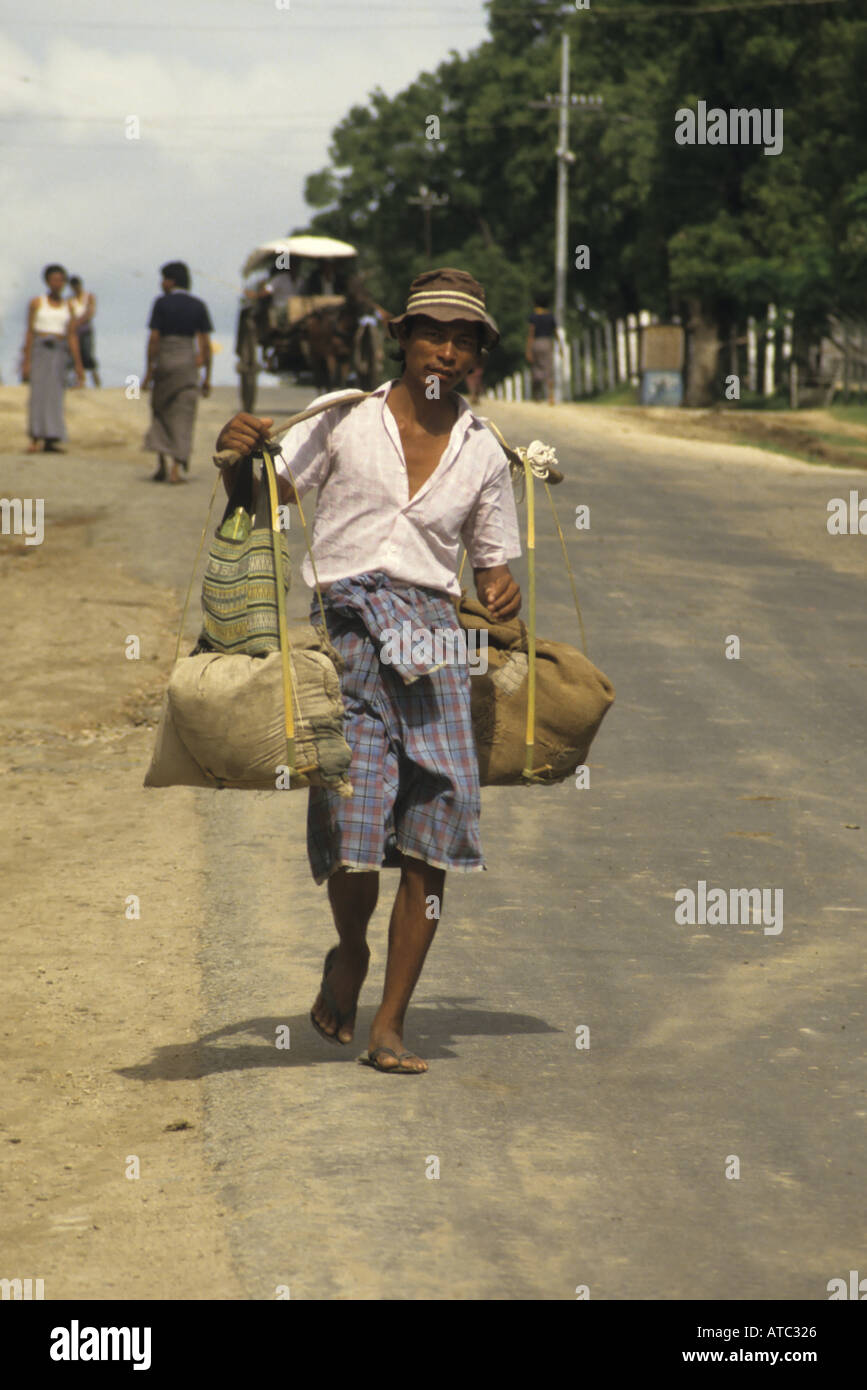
[(222, 723), (572, 697)]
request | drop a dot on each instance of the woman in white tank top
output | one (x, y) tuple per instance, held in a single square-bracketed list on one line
[(50, 332), (51, 318)]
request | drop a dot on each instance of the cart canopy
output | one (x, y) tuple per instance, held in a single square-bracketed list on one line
[(325, 247)]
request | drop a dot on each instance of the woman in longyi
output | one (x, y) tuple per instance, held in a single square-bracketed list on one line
[(178, 346), (50, 331)]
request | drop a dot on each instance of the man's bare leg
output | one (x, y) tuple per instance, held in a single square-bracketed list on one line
[(353, 898), (410, 933)]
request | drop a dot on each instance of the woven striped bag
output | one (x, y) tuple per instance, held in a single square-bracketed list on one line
[(239, 589)]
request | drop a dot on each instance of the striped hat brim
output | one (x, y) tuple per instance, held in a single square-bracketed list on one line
[(447, 306)]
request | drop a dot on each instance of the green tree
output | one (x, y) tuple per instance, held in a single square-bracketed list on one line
[(708, 232)]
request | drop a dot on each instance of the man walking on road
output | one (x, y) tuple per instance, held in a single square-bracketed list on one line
[(540, 348), (403, 476), (173, 362)]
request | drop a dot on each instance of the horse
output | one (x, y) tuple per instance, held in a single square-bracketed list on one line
[(328, 337)]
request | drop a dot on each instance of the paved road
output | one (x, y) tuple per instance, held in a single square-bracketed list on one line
[(605, 1166)]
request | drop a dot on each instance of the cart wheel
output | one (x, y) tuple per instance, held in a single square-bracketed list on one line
[(248, 366)]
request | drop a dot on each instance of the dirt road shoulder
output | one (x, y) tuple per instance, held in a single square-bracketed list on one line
[(105, 1189)]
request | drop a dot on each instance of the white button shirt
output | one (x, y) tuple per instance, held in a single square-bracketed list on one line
[(365, 518)]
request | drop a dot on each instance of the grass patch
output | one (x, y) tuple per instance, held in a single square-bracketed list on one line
[(805, 453), (754, 400), (760, 422), (843, 440), (849, 414), (621, 395)]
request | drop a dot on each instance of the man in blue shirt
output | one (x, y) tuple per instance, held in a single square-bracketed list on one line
[(173, 361)]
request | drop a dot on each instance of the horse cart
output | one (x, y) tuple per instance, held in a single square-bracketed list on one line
[(307, 313)]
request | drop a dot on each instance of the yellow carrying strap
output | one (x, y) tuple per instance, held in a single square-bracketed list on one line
[(530, 736), (530, 774), (288, 716), (309, 549)]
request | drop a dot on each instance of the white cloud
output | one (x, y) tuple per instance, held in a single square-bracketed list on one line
[(236, 110)]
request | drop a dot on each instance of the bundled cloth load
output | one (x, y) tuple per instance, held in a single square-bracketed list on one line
[(223, 721), (571, 700)]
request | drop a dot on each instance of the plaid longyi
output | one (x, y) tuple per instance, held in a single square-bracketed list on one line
[(414, 770)]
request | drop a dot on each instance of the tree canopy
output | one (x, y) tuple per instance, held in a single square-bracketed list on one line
[(724, 228)]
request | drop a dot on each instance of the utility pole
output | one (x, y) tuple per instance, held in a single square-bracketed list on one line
[(427, 202), (564, 159), (565, 103)]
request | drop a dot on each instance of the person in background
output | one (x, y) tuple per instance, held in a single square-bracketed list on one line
[(83, 305), (473, 383), (325, 278), (540, 348), (50, 331), (179, 344), (279, 289)]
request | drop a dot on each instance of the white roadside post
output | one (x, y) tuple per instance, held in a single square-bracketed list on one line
[(770, 350), (622, 363), (752, 356), (632, 347)]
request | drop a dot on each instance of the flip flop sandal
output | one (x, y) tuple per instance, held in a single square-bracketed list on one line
[(370, 1061), (331, 1004)]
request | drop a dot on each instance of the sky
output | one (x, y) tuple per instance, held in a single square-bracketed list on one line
[(235, 105)]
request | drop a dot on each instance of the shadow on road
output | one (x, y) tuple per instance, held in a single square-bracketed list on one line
[(435, 1025)]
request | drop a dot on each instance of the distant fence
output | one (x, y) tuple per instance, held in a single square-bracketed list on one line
[(842, 359), (600, 358), (605, 355)]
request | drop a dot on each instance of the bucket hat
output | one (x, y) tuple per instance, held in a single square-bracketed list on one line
[(446, 295)]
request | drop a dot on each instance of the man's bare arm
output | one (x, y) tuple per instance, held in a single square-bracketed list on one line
[(204, 357), (153, 348)]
